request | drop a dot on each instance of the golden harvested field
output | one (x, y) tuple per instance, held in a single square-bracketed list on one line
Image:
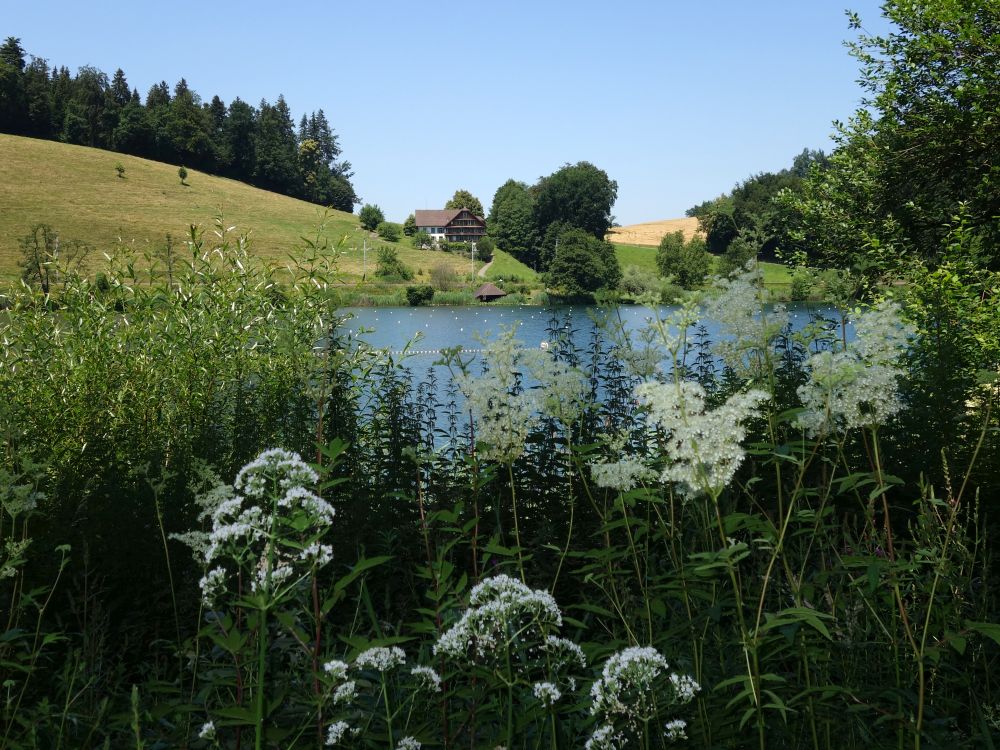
[(651, 232), (77, 191)]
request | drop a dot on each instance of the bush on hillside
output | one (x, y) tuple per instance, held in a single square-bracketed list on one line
[(688, 262), (419, 295), (389, 231), (370, 216), (390, 266)]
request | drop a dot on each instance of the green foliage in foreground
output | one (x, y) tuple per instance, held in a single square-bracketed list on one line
[(804, 534)]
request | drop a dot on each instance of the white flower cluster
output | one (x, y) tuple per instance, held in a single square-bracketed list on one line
[(428, 678), (605, 738), (565, 650), (704, 446), (857, 386), (207, 731), (337, 732), (629, 689), (675, 730), (684, 687), (345, 692), (408, 743), (622, 475), (505, 413), (739, 309), (498, 606), (563, 388), (336, 669), (242, 523), (627, 681), (547, 693), (380, 659)]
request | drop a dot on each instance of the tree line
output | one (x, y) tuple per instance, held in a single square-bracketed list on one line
[(259, 145)]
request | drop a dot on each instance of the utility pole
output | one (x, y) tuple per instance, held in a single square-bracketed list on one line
[(473, 262), (364, 260)]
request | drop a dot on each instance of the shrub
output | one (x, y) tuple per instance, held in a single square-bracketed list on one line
[(686, 261), (389, 231), (389, 265), (183, 174), (410, 226), (371, 216), (443, 277), (421, 240), (419, 295), (484, 249), (120, 169)]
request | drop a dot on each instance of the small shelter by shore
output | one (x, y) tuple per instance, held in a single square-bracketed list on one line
[(487, 293)]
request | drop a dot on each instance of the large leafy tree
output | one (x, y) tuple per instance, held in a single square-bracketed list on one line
[(465, 199), (923, 148), (582, 265), (511, 222), (578, 194)]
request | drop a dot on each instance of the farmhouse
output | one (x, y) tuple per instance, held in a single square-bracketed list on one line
[(451, 225)]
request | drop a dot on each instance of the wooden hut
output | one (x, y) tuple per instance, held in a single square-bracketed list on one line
[(487, 293)]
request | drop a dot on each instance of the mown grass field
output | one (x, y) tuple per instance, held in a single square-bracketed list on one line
[(505, 266), (77, 191), (775, 274)]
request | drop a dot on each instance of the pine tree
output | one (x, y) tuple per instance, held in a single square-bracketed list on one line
[(13, 102)]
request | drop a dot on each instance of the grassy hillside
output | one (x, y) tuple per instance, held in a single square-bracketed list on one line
[(77, 191)]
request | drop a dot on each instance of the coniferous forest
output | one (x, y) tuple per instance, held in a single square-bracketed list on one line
[(255, 144)]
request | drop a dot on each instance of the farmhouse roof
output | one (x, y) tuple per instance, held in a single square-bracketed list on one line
[(435, 218), (487, 291), (426, 217)]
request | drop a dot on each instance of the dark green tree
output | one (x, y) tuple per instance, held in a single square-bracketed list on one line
[(240, 139), (465, 199), (923, 147), (38, 99), (578, 194), (13, 101), (410, 225), (582, 265), (511, 222), (687, 261), (277, 149)]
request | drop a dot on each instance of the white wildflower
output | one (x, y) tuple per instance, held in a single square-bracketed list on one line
[(212, 584), (275, 465), (622, 475), (750, 328), (563, 388), (604, 738), (505, 413), (207, 731), (858, 386), (684, 687), (345, 692), (674, 730), (428, 678), (380, 659), (337, 732), (336, 669), (497, 606), (565, 650), (317, 554), (547, 693), (408, 743), (704, 447)]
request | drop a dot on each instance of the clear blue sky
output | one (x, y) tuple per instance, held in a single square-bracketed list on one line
[(677, 101)]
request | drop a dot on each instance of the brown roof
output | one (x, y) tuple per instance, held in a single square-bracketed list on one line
[(488, 290), (426, 217)]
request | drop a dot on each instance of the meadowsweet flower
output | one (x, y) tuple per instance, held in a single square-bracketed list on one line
[(547, 693), (563, 389), (337, 732), (380, 659), (207, 731), (285, 468), (704, 447), (857, 386), (336, 669), (675, 730), (408, 743), (428, 678), (505, 412), (740, 311), (623, 475)]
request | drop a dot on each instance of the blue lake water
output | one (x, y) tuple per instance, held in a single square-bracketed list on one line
[(431, 329)]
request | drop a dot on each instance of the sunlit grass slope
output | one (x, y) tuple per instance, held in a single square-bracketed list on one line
[(77, 191)]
